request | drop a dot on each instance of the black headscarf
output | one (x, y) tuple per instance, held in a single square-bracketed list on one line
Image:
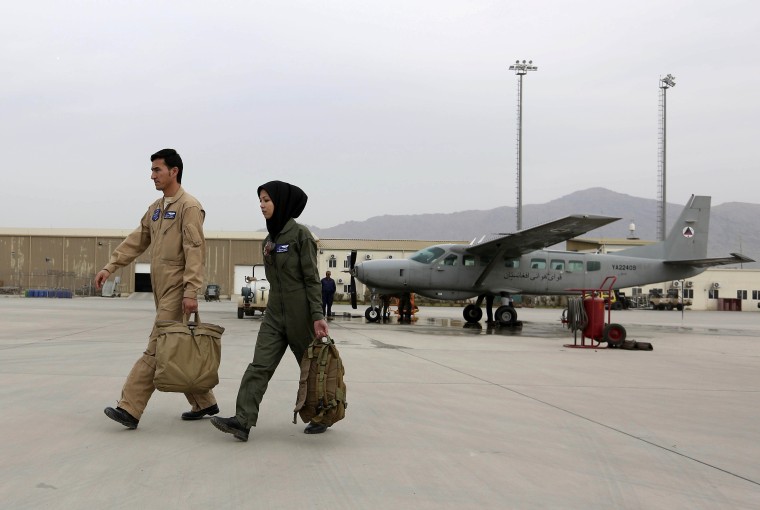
[(289, 202)]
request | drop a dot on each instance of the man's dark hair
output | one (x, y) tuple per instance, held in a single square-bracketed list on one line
[(172, 159)]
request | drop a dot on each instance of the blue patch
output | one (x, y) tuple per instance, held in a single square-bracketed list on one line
[(281, 248), (156, 214), (170, 215)]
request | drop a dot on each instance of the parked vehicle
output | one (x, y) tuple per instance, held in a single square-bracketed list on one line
[(254, 296), (669, 300), (212, 292)]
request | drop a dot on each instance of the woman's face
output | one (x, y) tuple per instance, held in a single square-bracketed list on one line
[(266, 204)]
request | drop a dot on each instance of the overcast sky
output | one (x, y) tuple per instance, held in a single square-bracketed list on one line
[(372, 107)]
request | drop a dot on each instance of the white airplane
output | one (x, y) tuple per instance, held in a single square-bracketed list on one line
[(506, 264)]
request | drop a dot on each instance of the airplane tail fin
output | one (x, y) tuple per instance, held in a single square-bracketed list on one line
[(688, 237)]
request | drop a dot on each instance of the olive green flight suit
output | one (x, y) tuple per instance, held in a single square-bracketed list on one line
[(175, 237), (295, 302)]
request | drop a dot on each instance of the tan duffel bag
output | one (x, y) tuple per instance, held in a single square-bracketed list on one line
[(187, 355)]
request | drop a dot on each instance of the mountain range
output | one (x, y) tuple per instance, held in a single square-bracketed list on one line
[(733, 225)]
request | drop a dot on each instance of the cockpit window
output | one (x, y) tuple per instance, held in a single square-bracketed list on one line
[(427, 255)]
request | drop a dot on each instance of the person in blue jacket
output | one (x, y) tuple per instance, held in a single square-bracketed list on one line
[(294, 309), (328, 292)]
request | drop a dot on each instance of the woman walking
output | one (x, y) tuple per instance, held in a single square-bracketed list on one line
[(294, 309)]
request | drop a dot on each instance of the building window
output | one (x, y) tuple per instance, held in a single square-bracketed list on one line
[(332, 263), (741, 294), (688, 293), (637, 291), (347, 263), (756, 294), (593, 265), (713, 294), (346, 289)]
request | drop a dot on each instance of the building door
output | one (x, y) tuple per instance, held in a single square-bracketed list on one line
[(142, 278)]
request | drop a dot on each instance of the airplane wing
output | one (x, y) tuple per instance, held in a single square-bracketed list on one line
[(535, 238), (735, 258)]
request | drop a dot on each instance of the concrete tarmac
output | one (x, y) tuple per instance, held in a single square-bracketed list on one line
[(440, 416)]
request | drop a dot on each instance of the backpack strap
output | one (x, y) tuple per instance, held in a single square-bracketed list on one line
[(303, 380)]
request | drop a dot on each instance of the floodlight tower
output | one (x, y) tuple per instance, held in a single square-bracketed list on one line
[(665, 84), (521, 69)]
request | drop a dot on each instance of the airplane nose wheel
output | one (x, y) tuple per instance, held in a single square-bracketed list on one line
[(506, 315), (472, 313), (372, 314)]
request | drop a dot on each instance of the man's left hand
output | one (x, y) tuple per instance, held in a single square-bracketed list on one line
[(189, 305)]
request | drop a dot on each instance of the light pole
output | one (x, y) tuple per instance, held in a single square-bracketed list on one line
[(665, 84), (521, 69)]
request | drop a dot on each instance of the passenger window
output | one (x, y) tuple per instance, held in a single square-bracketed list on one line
[(512, 263), (575, 266), (558, 265), (450, 260), (538, 263), (468, 260), (593, 265)]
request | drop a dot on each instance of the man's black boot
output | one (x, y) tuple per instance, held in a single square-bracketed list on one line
[(122, 417), (197, 415)]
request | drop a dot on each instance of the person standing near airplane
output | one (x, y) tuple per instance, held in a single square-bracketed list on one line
[(173, 229), (328, 292), (293, 316)]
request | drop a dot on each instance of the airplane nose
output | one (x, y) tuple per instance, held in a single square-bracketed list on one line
[(359, 271)]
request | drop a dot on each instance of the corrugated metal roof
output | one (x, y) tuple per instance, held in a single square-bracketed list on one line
[(378, 244), (115, 232)]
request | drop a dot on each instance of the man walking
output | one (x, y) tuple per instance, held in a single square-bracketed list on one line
[(173, 229), (328, 292)]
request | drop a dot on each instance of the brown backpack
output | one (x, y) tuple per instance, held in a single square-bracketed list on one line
[(321, 391)]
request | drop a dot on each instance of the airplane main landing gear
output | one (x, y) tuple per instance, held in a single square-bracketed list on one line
[(506, 315), (472, 313)]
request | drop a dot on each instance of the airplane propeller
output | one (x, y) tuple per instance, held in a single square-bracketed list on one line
[(352, 271)]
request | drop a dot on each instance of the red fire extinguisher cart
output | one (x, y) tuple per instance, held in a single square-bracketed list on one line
[(587, 315)]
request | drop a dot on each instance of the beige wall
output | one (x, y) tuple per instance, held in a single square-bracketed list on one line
[(71, 262)]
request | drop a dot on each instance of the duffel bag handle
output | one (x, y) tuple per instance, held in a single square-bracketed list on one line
[(186, 319)]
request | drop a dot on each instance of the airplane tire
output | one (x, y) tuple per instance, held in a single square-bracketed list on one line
[(506, 315), (240, 313), (614, 334), (372, 314), (472, 313)]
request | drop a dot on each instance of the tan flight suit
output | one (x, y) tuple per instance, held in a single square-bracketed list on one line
[(177, 256)]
